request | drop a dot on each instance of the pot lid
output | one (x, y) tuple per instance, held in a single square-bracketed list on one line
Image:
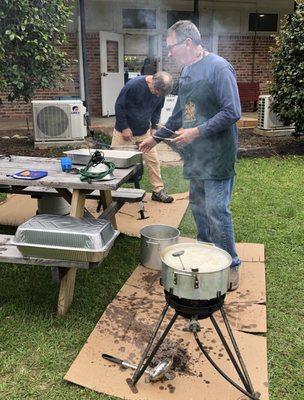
[(205, 257)]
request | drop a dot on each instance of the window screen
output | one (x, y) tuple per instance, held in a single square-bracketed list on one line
[(139, 19), (174, 16), (263, 22), (112, 56)]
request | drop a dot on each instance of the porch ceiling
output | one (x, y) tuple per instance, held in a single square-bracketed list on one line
[(213, 3)]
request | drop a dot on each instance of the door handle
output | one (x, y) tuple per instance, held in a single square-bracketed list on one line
[(104, 74)]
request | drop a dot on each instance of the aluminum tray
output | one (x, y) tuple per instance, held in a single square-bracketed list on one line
[(121, 158), (65, 238)]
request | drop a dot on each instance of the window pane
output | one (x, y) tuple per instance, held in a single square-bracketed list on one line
[(263, 22), (112, 56), (139, 19), (174, 16)]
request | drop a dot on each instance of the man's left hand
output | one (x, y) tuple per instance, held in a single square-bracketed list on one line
[(147, 144), (186, 135)]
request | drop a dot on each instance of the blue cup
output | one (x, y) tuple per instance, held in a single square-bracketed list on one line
[(66, 164)]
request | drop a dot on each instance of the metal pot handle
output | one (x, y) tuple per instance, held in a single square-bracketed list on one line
[(184, 273), (207, 244)]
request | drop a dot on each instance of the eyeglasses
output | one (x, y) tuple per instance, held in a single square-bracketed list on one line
[(171, 46)]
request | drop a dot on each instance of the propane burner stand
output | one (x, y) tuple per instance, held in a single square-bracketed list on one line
[(194, 310)]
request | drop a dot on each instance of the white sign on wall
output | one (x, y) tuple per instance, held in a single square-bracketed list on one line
[(167, 109)]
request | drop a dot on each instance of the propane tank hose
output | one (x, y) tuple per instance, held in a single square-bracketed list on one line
[(96, 159)]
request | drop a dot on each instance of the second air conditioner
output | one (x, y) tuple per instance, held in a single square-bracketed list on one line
[(267, 119)]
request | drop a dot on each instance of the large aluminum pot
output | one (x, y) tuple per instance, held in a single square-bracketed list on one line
[(154, 238), (195, 271)]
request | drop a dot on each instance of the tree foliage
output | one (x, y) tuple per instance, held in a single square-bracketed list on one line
[(287, 88), (32, 33)]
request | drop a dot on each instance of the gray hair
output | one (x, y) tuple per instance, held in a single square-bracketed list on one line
[(162, 82), (186, 29)]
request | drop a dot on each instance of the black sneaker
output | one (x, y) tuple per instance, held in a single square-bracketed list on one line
[(162, 197)]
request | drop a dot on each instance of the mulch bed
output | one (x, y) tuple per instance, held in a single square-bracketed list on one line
[(250, 145)]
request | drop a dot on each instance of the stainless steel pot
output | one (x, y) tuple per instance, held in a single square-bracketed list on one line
[(155, 238), (195, 271)]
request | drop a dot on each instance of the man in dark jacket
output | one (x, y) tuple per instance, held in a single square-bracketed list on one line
[(204, 117), (137, 111)]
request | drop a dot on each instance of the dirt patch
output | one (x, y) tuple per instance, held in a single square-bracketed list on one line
[(250, 145)]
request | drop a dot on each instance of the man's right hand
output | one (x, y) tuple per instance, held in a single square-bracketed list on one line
[(127, 134), (147, 144)]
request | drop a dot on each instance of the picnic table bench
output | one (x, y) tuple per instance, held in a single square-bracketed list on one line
[(72, 189)]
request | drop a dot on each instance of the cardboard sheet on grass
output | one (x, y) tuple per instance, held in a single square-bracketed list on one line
[(19, 208), (128, 221), (125, 326)]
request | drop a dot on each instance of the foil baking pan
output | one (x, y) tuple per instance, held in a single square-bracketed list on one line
[(121, 158), (65, 238)]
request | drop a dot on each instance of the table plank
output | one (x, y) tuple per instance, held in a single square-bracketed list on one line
[(56, 177)]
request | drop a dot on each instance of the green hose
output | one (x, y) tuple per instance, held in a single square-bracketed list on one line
[(97, 158)]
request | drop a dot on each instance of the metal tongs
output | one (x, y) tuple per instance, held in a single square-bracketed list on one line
[(154, 374), (165, 139)]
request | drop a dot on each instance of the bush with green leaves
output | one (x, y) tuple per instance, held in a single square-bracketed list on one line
[(32, 33), (287, 88)]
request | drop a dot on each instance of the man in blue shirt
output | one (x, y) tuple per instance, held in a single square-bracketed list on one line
[(204, 118), (137, 111)]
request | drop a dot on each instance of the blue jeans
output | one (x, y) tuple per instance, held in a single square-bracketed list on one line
[(209, 201)]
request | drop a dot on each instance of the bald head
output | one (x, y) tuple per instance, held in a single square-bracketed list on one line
[(162, 82)]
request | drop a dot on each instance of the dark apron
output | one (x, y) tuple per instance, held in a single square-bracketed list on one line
[(208, 156)]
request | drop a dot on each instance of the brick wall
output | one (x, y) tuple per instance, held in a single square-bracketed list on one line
[(93, 56), (239, 50), (21, 109)]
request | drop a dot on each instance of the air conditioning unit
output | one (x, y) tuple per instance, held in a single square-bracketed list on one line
[(56, 120), (267, 119)]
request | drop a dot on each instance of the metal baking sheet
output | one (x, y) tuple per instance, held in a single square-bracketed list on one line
[(121, 158), (65, 238)]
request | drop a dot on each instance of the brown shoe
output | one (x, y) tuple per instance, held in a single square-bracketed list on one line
[(162, 197)]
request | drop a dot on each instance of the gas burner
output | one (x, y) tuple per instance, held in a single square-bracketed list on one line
[(195, 287), (187, 311), (200, 309)]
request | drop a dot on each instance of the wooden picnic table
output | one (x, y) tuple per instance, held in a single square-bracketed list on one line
[(74, 191)]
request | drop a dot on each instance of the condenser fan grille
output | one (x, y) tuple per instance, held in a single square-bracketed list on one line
[(52, 121)]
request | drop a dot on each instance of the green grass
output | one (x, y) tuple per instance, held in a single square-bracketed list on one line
[(3, 196), (37, 348)]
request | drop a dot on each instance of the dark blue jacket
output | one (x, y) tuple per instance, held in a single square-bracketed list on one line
[(136, 107)]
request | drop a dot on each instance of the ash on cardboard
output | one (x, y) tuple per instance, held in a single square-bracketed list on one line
[(125, 326)]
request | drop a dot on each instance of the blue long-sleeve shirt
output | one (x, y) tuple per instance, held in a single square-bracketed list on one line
[(136, 107), (208, 99)]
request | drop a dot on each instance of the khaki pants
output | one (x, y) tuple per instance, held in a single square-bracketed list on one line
[(150, 158)]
